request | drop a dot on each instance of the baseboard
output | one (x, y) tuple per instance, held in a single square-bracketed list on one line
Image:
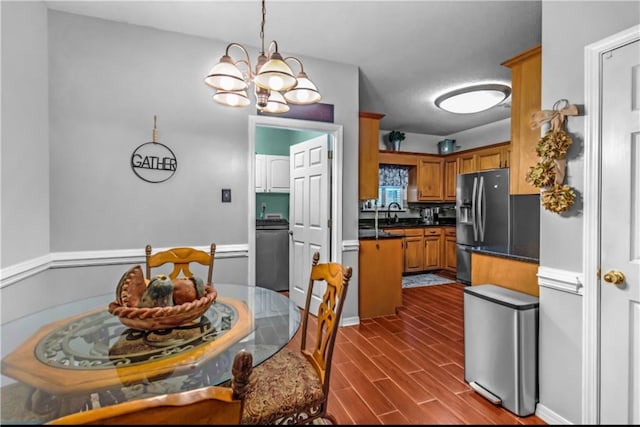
[(549, 416), (350, 321)]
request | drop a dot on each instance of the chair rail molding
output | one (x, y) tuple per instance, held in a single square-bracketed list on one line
[(561, 280), (26, 269), (350, 245)]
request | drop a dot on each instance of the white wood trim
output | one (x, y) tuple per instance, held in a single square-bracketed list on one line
[(336, 133), (549, 416), (350, 321), (23, 270), (26, 269), (591, 221), (561, 280), (350, 245)]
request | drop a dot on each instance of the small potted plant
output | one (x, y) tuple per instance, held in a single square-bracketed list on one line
[(395, 137)]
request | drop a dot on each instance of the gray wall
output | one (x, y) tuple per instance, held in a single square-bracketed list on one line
[(106, 81), (567, 27), (25, 133), (492, 133)]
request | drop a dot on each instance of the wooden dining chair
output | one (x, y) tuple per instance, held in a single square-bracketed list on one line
[(208, 405), (181, 258), (292, 387)]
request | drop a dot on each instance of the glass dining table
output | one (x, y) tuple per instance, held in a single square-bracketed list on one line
[(78, 356)]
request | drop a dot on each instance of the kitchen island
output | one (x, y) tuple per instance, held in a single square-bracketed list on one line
[(510, 266), (379, 273)]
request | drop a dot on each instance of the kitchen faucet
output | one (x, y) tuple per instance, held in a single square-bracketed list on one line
[(389, 210)]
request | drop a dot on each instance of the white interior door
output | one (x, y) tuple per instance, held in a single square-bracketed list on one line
[(620, 237), (309, 209)]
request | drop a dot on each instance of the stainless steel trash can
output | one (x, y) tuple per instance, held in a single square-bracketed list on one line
[(501, 346)]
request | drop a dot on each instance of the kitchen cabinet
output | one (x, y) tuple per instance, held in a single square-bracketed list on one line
[(427, 179), (450, 173), (513, 274), (261, 173), (493, 157), (449, 249), (380, 277), (526, 71), (413, 250), (466, 162), (368, 155), (478, 159), (432, 248), (272, 173), (397, 159), (427, 248)]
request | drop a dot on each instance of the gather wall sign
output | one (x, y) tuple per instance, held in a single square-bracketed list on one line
[(152, 161)]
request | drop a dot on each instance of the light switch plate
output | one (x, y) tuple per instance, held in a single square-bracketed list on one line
[(226, 195)]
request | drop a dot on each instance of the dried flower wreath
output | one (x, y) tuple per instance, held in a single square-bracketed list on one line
[(552, 149)]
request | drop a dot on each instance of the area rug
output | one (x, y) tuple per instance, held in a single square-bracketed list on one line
[(427, 279)]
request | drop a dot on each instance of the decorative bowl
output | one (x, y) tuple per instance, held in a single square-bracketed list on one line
[(157, 318)]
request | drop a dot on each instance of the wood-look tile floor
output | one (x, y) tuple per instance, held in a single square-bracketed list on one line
[(409, 368)]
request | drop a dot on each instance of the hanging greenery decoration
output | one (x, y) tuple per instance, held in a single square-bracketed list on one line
[(548, 174), (558, 198)]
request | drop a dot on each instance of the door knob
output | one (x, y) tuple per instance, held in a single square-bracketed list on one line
[(614, 276)]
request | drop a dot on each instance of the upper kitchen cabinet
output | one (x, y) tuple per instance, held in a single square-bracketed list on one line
[(368, 155), (479, 159), (272, 173), (428, 178), (450, 174), (494, 157), (526, 71)]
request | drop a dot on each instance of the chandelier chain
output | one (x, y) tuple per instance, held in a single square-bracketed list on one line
[(264, 13)]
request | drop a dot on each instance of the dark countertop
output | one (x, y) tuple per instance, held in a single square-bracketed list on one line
[(367, 234), (526, 253), (412, 223)]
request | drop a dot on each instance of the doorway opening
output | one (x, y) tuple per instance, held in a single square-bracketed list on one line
[(275, 204)]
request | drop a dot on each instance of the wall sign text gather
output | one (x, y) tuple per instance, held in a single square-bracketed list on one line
[(153, 162)]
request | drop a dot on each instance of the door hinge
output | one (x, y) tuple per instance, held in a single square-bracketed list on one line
[(329, 223), (330, 154)]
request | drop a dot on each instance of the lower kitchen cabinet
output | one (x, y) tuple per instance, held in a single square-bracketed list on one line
[(432, 248), (413, 250), (379, 277), (449, 249)]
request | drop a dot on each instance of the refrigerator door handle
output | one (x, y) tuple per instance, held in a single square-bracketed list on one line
[(474, 202), (481, 205)]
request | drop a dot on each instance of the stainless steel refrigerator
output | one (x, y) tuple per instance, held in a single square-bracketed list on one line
[(482, 215)]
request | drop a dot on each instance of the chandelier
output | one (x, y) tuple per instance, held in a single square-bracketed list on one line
[(274, 83)]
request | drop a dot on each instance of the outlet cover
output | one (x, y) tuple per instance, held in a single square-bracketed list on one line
[(226, 195)]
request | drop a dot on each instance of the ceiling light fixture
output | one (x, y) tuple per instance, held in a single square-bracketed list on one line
[(473, 99), (274, 83)]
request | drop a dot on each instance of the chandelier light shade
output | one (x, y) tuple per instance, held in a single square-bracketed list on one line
[(232, 98), (305, 92), (473, 99), (274, 83)]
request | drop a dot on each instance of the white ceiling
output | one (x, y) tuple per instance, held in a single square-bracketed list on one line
[(408, 52)]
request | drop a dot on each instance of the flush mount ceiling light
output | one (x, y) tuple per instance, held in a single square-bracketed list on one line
[(273, 81), (473, 99)]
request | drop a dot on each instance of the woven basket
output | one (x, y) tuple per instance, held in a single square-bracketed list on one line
[(157, 318)]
